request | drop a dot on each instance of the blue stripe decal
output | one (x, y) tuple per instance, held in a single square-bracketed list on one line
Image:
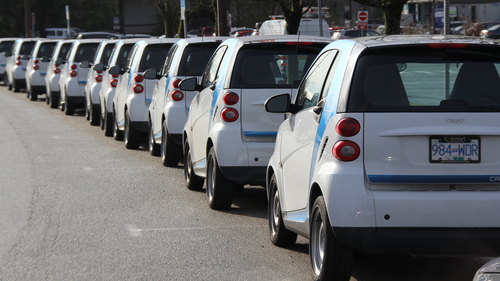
[(3, 64), (331, 102), (434, 179), (82, 82), (259, 134)]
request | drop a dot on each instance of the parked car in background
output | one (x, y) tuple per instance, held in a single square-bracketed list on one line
[(110, 81), (307, 26), (205, 31), (459, 30), (97, 35), (241, 30), (169, 106), (59, 33), (94, 81), (480, 26), (129, 36), (352, 33), (228, 137), (57, 60), (492, 32), (133, 92), (36, 68), (5, 49), (73, 77), (16, 63), (372, 160)]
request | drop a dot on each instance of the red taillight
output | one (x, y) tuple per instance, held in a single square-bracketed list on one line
[(138, 88), (18, 62), (99, 71), (229, 114), (345, 150), (175, 83), (230, 98), (36, 67), (113, 83), (74, 66), (177, 95), (56, 65), (447, 45), (98, 78), (36, 61), (57, 70), (115, 75), (138, 78), (73, 73), (347, 127), (18, 58)]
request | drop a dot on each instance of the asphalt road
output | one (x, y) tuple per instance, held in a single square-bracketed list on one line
[(76, 205)]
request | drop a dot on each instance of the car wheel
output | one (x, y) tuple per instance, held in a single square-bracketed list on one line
[(33, 95), (69, 107), (108, 124), (280, 236), (219, 189), (87, 115), (193, 182), (17, 87), (47, 97), (131, 136), (330, 259), (170, 152), (54, 100), (117, 134), (153, 147), (94, 116), (5, 79)]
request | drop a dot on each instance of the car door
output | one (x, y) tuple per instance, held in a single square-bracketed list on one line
[(299, 133)]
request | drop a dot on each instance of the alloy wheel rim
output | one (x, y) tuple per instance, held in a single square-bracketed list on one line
[(317, 243), (210, 181), (275, 214)]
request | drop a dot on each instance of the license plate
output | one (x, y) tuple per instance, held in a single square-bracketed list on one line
[(455, 149)]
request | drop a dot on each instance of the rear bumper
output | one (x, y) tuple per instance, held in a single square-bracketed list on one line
[(140, 126), (77, 100), (422, 241), (245, 175)]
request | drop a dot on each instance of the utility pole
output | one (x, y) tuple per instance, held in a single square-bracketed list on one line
[(222, 28)]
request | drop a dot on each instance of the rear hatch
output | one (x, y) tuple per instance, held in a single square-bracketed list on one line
[(263, 70), (431, 118)]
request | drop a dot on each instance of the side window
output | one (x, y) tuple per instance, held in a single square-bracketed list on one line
[(311, 87), (168, 60), (212, 69), (130, 58)]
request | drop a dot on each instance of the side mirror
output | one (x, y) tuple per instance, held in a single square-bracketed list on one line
[(59, 61), (189, 84), (6, 54), (85, 64), (115, 70), (151, 74), (45, 59), (278, 104), (99, 67), (25, 57)]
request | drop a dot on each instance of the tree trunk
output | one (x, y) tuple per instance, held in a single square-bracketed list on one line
[(393, 18)]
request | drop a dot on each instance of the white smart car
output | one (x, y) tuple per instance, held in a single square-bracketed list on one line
[(94, 81), (5, 49), (17, 60), (36, 68), (391, 147), (110, 81), (228, 136), (73, 77), (133, 93), (169, 107), (53, 75)]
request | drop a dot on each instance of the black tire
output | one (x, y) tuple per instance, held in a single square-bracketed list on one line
[(17, 87), (9, 86), (153, 147), (280, 236), (107, 124), (330, 259), (117, 134), (131, 136), (170, 152), (69, 107), (219, 189), (193, 182), (94, 114), (54, 100), (33, 95), (5, 79)]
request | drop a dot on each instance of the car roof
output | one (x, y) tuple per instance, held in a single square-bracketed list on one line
[(388, 40), (280, 38)]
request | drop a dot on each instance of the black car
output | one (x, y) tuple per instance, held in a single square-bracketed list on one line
[(492, 32)]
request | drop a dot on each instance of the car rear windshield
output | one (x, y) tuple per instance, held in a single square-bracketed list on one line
[(427, 79), (6, 46), (195, 58), (273, 65), (27, 47), (45, 49), (85, 52), (154, 56)]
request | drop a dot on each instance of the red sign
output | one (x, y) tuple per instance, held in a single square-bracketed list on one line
[(362, 25), (362, 16)]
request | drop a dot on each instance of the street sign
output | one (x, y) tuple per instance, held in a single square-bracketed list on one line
[(362, 20)]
